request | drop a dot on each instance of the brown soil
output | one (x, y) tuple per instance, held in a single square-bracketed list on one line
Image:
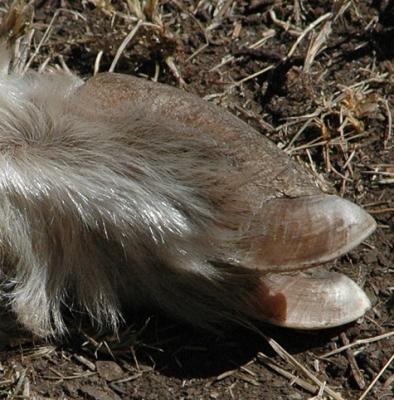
[(331, 109)]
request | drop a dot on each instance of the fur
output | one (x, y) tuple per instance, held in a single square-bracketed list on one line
[(97, 215)]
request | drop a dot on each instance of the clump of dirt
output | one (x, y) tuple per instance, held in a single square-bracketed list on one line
[(317, 78)]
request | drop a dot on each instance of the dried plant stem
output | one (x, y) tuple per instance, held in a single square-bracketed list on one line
[(389, 125), (294, 379), (290, 359), (124, 45), (306, 31), (372, 384), (358, 343)]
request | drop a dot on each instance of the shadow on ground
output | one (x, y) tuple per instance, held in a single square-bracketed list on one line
[(181, 351)]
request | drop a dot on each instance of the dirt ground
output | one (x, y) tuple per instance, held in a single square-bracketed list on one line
[(317, 77)]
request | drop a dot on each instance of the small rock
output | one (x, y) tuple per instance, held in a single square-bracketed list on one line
[(95, 393), (370, 258), (296, 396), (109, 370)]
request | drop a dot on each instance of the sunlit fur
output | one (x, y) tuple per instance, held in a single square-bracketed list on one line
[(96, 215)]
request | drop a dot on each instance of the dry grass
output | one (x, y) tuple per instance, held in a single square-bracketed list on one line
[(337, 137)]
